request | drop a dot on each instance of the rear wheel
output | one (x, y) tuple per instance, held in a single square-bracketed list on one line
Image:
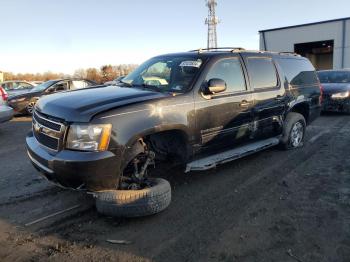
[(294, 131)]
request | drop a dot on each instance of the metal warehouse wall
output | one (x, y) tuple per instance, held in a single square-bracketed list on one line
[(283, 40), (347, 45)]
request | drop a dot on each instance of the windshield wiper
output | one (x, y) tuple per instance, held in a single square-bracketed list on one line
[(144, 86), (152, 87)]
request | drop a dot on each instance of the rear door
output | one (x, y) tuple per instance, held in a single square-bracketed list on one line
[(224, 118), (269, 95)]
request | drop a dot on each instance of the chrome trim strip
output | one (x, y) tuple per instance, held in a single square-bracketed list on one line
[(45, 119), (41, 166), (60, 134)]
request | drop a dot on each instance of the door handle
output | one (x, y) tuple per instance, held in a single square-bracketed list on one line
[(244, 103), (279, 98)]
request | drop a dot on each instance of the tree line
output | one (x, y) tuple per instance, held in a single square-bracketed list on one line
[(103, 74)]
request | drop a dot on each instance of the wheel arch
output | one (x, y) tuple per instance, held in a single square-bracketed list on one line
[(176, 133), (302, 108)]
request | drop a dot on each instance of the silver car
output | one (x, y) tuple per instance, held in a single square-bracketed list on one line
[(6, 112)]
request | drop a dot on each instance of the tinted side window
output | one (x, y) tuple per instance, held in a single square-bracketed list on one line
[(60, 86), (298, 71), (262, 72), (229, 70)]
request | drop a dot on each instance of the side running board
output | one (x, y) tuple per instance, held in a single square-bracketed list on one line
[(212, 161)]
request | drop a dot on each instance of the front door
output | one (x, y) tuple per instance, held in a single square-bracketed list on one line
[(225, 118)]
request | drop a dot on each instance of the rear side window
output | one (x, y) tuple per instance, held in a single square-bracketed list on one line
[(229, 70), (298, 72), (262, 72)]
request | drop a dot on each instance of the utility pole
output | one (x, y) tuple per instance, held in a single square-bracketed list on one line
[(212, 22)]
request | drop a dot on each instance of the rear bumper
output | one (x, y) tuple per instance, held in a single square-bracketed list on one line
[(6, 113), (336, 105), (93, 171), (19, 107)]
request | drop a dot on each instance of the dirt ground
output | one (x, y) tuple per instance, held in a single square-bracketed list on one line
[(272, 206)]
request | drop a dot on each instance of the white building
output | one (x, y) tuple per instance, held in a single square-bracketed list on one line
[(326, 44)]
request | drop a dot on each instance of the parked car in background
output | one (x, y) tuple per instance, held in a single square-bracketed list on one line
[(24, 103), (35, 83), (6, 112), (204, 108), (336, 90), (16, 87), (115, 81)]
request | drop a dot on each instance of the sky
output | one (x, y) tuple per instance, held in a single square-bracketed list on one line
[(65, 35)]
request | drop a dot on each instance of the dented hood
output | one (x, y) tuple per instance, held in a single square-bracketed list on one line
[(82, 105)]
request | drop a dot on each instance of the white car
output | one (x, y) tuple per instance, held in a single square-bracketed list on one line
[(6, 112)]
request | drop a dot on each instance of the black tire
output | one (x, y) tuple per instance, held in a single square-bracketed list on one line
[(291, 121), (135, 203)]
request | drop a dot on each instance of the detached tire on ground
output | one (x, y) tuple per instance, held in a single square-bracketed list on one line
[(294, 131), (135, 203)]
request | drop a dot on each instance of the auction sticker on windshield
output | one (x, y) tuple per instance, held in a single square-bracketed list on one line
[(196, 63)]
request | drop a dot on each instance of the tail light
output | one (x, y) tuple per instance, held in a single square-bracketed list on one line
[(321, 95), (3, 94)]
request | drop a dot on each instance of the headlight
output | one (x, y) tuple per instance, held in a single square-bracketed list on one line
[(89, 137), (341, 95)]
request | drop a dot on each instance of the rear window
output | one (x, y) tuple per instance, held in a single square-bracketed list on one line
[(298, 72), (334, 77), (262, 72)]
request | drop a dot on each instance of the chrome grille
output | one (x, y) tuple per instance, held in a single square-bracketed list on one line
[(48, 133)]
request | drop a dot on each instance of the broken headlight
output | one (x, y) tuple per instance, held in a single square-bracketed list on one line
[(89, 137), (341, 95)]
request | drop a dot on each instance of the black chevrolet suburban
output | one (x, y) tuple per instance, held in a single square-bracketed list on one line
[(200, 108)]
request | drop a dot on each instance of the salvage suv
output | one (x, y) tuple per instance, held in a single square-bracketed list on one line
[(208, 107)]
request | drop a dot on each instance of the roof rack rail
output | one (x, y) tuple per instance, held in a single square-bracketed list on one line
[(289, 53), (231, 49)]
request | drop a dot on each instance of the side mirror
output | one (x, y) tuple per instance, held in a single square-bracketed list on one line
[(216, 86)]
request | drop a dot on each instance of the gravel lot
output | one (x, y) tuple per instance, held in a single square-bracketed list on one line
[(272, 206)]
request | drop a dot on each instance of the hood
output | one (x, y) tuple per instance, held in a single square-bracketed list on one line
[(333, 88), (82, 105)]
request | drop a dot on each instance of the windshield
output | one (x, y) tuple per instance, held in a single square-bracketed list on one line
[(43, 86), (165, 74), (334, 77)]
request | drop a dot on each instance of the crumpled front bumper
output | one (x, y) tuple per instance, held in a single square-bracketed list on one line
[(92, 171)]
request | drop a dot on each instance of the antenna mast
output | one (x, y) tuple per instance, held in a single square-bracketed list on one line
[(212, 22)]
